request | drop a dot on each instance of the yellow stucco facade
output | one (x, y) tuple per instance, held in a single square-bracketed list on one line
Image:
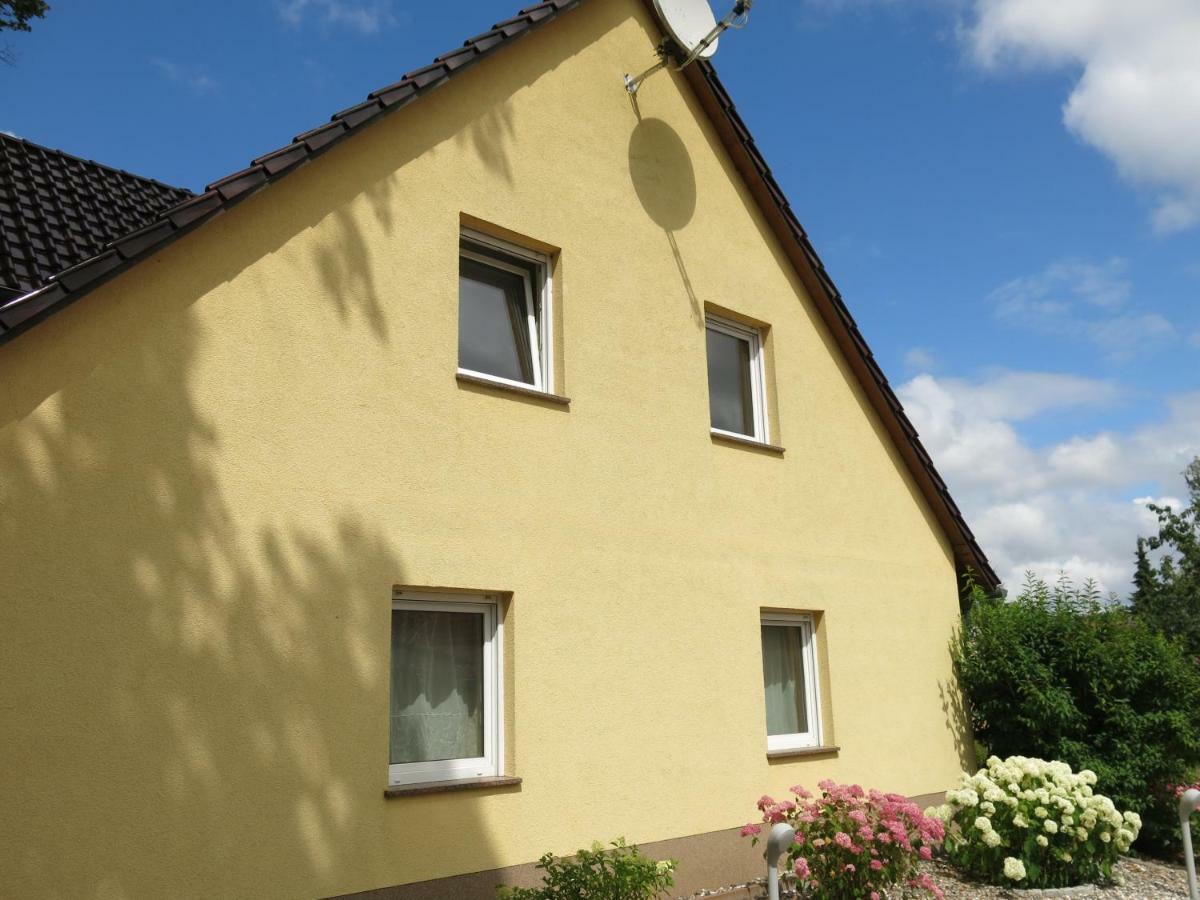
[(215, 468)]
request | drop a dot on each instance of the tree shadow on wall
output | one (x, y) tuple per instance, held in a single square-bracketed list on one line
[(194, 685)]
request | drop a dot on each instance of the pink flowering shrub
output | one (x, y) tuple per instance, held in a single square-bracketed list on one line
[(853, 844)]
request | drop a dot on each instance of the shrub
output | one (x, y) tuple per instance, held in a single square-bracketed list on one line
[(852, 845), (621, 873), (1059, 674), (1036, 823)]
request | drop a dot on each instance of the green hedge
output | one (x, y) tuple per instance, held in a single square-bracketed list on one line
[(1060, 675)]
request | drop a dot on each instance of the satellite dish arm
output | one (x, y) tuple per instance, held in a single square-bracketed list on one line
[(734, 19), (740, 10)]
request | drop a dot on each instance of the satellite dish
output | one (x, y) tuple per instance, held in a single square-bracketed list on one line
[(689, 22), (692, 33)]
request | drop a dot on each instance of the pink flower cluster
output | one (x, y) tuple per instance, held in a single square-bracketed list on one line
[(852, 843), (1176, 790)]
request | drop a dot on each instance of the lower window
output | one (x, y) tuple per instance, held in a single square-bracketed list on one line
[(790, 682), (445, 690)]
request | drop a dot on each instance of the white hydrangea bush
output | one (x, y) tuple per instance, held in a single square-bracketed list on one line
[(1034, 824)]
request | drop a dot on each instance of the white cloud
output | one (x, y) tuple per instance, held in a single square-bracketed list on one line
[(1084, 301), (1137, 97), (1073, 506), (918, 359), (363, 16), (194, 78)]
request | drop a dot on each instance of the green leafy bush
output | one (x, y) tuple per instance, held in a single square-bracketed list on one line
[(621, 873), (1034, 824), (1059, 674)]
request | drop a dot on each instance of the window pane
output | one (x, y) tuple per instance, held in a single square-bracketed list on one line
[(730, 400), (493, 325), (437, 686), (783, 678)]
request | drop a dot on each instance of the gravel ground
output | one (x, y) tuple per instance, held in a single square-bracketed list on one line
[(1144, 879)]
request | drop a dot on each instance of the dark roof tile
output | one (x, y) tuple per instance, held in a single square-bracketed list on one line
[(190, 210), (56, 210), (89, 270), (356, 115), (275, 162), (32, 306), (321, 137), (144, 238), (238, 183)]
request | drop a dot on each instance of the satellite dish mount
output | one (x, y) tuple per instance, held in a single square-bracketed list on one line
[(692, 33)]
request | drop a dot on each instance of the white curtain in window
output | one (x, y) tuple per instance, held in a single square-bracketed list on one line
[(437, 686), (783, 678)]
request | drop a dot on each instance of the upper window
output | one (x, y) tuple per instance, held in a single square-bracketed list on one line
[(735, 379), (790, 682), (445, 697), (503, 312)]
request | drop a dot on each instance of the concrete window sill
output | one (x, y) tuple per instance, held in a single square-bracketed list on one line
[(802, 751), (447, 787), (475, 382), (749, 443)]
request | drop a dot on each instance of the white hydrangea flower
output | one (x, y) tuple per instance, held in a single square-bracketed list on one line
[(1051, 826), (992, 839), (983, 823), (1014, 869), (1042, 840)]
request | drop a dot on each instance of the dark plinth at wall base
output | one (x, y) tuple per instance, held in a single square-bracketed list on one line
[(927, 800), (445, 787), (801, 752), (706, 862)]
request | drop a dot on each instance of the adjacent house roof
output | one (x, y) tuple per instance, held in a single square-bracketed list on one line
[(56, 210), (59, 289)]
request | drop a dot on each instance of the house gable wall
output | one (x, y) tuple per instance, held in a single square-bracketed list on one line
[(217, 466)]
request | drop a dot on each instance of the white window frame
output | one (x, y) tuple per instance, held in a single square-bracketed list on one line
[(812, 690), (539, 304), (758, 376), (492, 761)]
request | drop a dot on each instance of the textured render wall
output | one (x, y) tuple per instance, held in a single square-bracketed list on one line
[(213, 470)]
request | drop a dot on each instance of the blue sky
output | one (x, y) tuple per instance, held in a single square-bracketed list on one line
[(1001, 188)]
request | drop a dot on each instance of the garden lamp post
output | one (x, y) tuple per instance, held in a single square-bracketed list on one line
[(780, 839), (1188, 802)]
